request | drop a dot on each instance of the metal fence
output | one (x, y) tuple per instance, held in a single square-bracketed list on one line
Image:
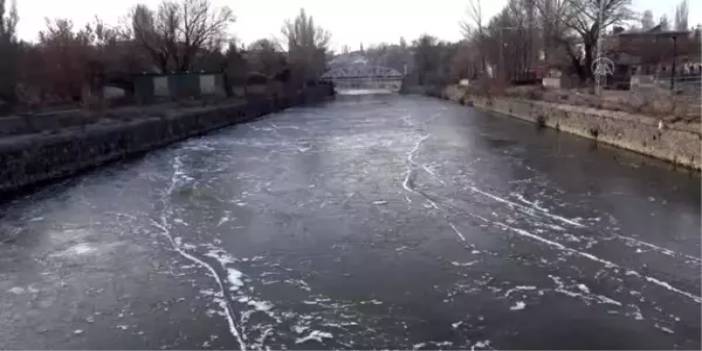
[(686, 85), (690, 85)]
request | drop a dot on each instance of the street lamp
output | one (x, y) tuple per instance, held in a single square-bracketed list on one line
[(502, 54), (675, 54)]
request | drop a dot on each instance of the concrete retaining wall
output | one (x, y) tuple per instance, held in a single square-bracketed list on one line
[(679, 143), (30, 159)]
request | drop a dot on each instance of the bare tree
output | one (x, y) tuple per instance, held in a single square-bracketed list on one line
[(8, 21), (553, 15), (307, 45), (682, 13), (175, 34), (664, 23), (466, 63), (236, 69), (265, 45), (508, 40), (203, 27), (67, 55), (265, 56), (302, 33), (433, 61), (8, 51), (474, 29), (647, 21), (152, 37), (530, 7), (395, 56), (583, 18), (475, 22)]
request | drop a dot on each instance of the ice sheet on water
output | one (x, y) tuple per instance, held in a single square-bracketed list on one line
[(17, 290), (519, 288), (520, 305), (234, 277), (315, 335), (463, 264)]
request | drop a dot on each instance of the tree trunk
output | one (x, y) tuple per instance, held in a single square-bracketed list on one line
[(589, 59), (575, 61), (163, 64), (8, 71)]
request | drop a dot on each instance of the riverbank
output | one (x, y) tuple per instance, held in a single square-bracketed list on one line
[(677, 142), (30, 159)]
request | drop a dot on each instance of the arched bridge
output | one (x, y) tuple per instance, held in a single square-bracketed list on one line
[(364, 77)]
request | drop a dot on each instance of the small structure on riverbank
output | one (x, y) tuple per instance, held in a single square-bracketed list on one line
[(158, 87)]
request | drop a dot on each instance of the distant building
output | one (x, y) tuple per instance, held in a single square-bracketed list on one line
[(654, 53)]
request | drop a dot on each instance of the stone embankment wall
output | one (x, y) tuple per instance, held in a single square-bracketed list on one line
[(679, 143), (29, 159)]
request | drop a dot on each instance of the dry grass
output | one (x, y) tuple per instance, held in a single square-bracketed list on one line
[(655, 103)]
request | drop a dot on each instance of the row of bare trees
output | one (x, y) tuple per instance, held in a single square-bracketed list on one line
[(562, 33), (177, 36), (8, 52), (178, 31), (682, 13), (557, 31), (526, 38)]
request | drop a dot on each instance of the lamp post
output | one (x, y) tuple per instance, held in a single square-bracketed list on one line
[(675, 54), (501, 64)]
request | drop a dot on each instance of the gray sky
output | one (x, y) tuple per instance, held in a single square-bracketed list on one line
[(351, 22)]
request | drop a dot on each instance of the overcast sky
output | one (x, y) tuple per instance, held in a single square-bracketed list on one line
[(351, 22)]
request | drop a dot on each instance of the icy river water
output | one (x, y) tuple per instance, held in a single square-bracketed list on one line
[(367, 222)]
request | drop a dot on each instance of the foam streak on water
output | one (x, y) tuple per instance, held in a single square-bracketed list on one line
[(594, 258), (528, 210), (458, 233), (634, 241), (164, 226)]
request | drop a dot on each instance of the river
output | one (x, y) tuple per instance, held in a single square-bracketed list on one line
[(366, 222)]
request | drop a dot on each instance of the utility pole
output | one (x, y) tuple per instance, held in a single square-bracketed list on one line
[(530, 35), (501, 64)]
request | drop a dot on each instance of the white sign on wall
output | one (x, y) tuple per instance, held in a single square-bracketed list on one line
[(161, 87), (207, 84)]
